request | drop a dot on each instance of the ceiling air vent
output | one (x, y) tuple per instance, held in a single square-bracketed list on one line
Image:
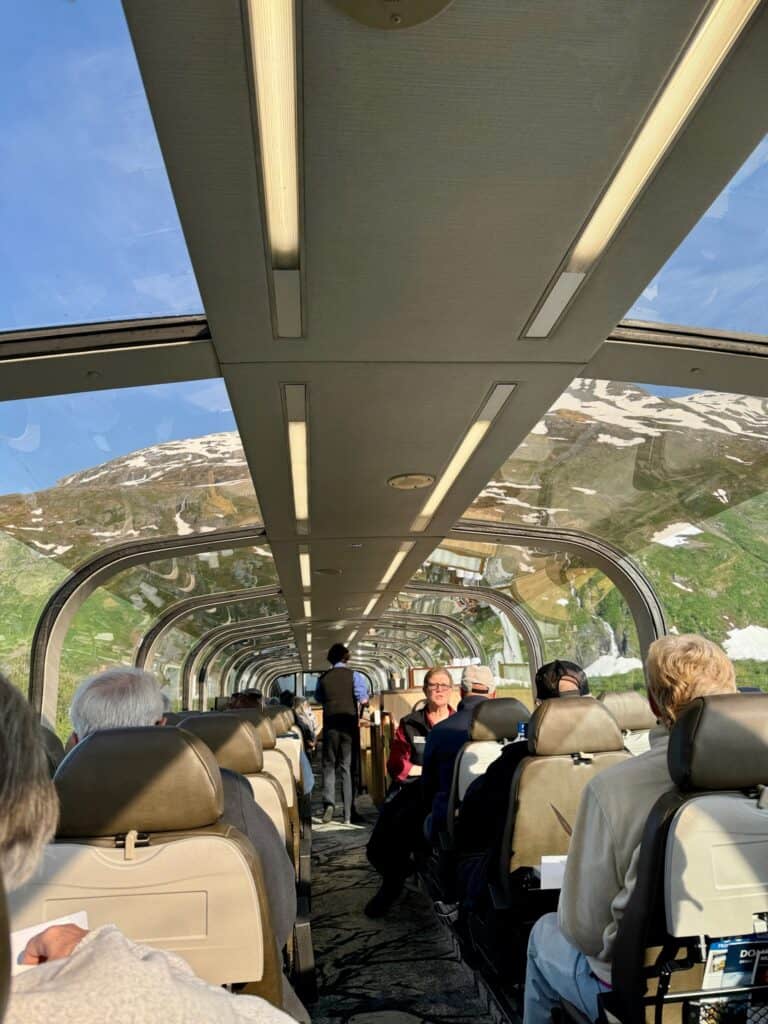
[(392, 14)]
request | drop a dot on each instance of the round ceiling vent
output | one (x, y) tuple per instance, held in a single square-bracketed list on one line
[(411, 481), (392, 14)]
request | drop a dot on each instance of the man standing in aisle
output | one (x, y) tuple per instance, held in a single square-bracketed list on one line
[(341, 692)]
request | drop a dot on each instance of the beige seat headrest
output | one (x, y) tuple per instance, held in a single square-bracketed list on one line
[(234, 742), (720, 742), (282, 717), (147, 779), (573, 725), (497, 719), (630, 709), (263, 724)]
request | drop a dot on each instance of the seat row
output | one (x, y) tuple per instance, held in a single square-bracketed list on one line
[(702, 869)]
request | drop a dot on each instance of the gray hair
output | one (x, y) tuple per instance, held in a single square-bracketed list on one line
[(122, 697), (29, 808), (478, 679)]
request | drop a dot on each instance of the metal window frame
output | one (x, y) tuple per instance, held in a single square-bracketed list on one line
[(201, 653), (627, 576), (150, 642), (523, 622), (65, 602)]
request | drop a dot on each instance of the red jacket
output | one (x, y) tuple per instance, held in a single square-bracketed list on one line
[(408, 745)]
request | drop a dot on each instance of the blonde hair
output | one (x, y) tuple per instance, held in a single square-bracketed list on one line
[(681, 668)]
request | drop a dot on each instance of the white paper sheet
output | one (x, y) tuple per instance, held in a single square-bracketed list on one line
[(20, 938), (552, 872)]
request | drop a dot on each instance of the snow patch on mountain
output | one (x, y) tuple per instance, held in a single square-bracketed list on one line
[(675, 535), (749, 642)]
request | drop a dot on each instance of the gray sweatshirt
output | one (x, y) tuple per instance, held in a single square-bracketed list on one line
[(601, 870)]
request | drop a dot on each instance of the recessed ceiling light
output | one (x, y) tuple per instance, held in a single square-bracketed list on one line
[(411, 481)]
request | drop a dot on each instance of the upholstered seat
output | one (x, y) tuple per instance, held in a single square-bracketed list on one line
[(140, 845), (236, 745), (702, 868), (634, 716), (569, 742), (494, 723)]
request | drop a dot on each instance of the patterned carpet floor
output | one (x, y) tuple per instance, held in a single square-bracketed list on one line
[(401, 969)]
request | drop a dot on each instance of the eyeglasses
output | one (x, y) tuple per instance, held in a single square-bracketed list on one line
[(438, 686)]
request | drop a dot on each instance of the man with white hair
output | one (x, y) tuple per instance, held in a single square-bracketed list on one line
[(446, 740), (127, 698)]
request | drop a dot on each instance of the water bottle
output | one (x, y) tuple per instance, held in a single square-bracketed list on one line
[(522, 730)]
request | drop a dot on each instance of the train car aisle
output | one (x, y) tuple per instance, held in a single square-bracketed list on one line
[(401, 969)]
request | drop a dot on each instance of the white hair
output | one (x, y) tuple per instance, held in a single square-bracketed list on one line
[(121, 697)]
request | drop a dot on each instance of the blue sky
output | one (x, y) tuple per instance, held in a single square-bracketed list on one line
[(44, 439), (718, 277), (89, 228)]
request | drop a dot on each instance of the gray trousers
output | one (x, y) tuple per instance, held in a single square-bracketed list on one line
[(337, 754)]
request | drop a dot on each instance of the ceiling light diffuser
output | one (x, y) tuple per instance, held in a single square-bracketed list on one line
[(702, 58), (298, 450), (463, 454)]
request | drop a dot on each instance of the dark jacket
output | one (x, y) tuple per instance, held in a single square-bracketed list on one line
[(409, 743), (480, 824), (443, 745), (336, 692)]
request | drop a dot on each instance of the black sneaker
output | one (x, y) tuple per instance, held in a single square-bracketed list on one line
[(389, 891), (327, 814), (357, 819)]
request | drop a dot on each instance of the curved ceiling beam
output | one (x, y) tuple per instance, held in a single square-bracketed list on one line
[(458, 629), (522, 621), (199, 656), (151, 639), (64, 603), (630, 580), (399, 631)]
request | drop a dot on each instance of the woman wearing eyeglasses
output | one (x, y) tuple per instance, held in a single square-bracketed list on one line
[(398, 830), (407, 751)]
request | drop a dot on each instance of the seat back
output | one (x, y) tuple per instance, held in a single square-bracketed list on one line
[(236, 745), (140, 846), (570, 740), (634, 717), (399, 703), (494, 723), (702, 868), (54, 749)]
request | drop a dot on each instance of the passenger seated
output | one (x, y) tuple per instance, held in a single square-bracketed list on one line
[(444, 743), (397, 833), (479, 829), (569, 953), (127, 698), (247, 699), (79, 975)]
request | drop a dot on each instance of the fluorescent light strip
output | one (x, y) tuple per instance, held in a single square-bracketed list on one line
[(298, 450), (351, 636), (307, 608), (370, 606), (305, 569), (709, 47), (464, 453), (395, 564), (274, 56)]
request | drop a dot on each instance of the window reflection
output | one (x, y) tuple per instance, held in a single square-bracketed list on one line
[(678, 479)]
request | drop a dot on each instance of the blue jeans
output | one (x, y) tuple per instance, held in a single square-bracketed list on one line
[(556, 970)]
